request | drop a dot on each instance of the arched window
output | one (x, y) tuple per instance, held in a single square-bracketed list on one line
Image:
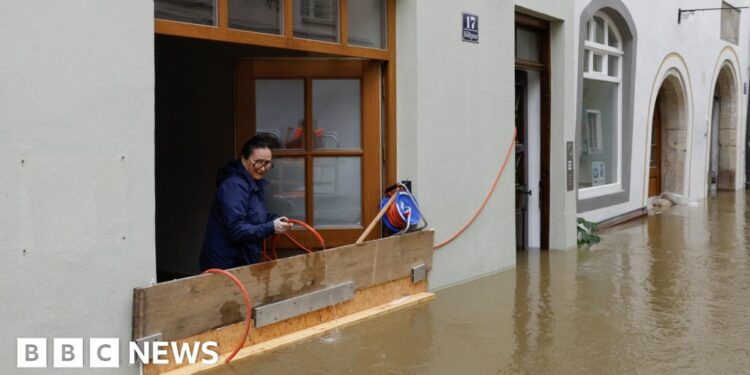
[(600, 132)]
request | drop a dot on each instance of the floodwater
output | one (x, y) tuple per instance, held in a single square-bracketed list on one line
[(666, 294)]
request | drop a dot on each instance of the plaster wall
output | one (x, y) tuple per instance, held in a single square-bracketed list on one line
[(697, 42), (455, 123), (76, 169)]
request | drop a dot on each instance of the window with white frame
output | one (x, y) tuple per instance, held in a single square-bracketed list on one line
[(600, 132)]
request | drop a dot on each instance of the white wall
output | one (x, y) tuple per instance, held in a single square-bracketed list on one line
[(455, 123), (76, 168), (697, 42)]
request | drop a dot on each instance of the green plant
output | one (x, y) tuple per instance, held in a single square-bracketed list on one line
[(587, 232)]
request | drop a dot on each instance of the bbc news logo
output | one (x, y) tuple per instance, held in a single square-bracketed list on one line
[(105, 352)]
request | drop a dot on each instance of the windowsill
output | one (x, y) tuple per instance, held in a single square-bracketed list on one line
[(600, 77), (598, 191)]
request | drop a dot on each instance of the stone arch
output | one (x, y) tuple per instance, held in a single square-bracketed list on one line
[(672, 110), (723, 155), (672, 100)]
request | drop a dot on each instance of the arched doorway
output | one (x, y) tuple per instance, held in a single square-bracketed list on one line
[(722, 165), (669, 135)]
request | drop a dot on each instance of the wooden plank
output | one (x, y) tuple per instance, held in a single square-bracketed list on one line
[(312, 332), (382, 297), (185, 307)]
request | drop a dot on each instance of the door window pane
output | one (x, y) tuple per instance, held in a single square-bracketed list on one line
[(261, 16), (599, 138), (586, 57), (316, 19), (337, 191), (612, 38), (337, 114), (285, 193), (598, 30), (598, 63), (527, 47), (613, 64), (192, 11), (367, 23), (280, 111)]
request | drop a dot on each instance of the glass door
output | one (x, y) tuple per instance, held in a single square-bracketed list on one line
[(323, 117)]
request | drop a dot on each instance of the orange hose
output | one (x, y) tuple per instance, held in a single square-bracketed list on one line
[(394, 217), (301, 246), (313, 231), (489, 194), (247, 305)]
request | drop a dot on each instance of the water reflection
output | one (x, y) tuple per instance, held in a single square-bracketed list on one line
[(669, 293)]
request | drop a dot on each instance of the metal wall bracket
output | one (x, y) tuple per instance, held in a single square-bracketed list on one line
[(143, 340), (295, 306), (418, 273)]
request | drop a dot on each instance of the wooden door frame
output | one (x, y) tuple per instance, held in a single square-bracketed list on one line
[(656, 119), (369, 72), (523, 133), (542, 28), (221, 32)]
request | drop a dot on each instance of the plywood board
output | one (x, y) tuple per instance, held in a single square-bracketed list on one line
[(186, 307), (368, 302)]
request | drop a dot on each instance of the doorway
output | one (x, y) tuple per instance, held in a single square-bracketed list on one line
[(669, 133), (722, 161), (654, 170), (713, 169), (533, 130)]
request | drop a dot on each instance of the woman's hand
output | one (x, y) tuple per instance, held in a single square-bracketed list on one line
[(281, 225)]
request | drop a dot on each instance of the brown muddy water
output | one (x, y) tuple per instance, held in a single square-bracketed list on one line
[(667, 294)]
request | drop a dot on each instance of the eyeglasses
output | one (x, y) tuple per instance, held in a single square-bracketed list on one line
[(262, 163)]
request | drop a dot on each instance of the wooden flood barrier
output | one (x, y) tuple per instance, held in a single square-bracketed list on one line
[(211, 308)]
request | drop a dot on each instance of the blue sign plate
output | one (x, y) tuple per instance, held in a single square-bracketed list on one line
[(470, 32)]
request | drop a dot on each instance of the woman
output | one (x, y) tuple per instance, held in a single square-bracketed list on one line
[(239, 222)]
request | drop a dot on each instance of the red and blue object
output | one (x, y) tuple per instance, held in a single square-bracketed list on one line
[(404, 214)]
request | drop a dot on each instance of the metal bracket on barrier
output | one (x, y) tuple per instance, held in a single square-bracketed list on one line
[(418, 273), (295, 306), (143, 340)]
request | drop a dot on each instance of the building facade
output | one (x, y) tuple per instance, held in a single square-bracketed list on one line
[(115, 116), (673, 114)]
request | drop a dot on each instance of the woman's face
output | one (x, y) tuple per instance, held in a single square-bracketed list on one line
[(259, 163)]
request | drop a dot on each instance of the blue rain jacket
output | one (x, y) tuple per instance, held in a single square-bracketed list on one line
[(238, 222)]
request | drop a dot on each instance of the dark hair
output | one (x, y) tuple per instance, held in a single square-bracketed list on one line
[(258, 141)]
